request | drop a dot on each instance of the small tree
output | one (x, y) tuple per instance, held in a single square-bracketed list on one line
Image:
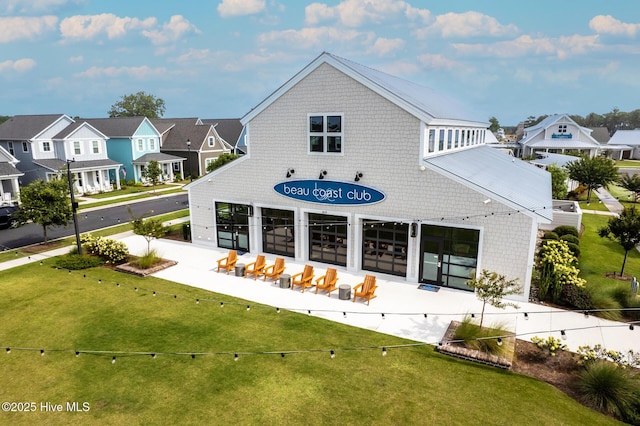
[(593, 172), (625, 229), (140, 104), (221, 161), (490, 287), (149, 228), (45, 203), (559, 178), (152, 172), (632, 184)]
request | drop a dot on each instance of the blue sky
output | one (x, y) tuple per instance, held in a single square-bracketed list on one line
[(220, 58)]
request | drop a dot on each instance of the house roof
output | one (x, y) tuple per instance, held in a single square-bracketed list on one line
[(601, 134), (55, 164), (625, 137), (117, 127), (425, 103), (228, 129), (533, 131), (511, 181), (26, 127), (71, 128), (563, 143), (9, 170), (547, 158), (179, 130), (160, 157)]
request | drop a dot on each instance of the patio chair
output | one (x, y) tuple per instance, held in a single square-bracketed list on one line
[(303, 279), (256, 268), (327, 281), (228, 263), (274, 271), (365, 289)]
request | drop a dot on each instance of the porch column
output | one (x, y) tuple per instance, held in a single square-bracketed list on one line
[(117, 177)]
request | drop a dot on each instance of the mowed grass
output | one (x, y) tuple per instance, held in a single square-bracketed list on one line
[(45, 308)]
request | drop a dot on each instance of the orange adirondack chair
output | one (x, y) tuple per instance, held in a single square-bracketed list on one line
[(256, 268), (365, 289), (303, 279), (327, 281), (274, 271), (228, 263)]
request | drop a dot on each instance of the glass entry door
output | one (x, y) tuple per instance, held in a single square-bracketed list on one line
[(232, 223), (431, 268)]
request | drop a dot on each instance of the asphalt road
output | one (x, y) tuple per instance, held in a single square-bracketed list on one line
[(91, 220)]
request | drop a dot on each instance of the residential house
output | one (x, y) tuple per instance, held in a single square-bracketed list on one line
[(134, 142), (558, 134), (230, 131), (624, 144), (324, 181), (9, 175)]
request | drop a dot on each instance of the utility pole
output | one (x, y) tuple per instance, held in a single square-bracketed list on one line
[(74, 206)]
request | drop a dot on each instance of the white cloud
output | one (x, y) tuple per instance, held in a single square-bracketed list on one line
[(141, 72), (240, 7), (415, 14), (21, 65), (437, 62), (386, 46), (171, 31), (354, 13), (316, 37), (467, 24), (607, 24), (87, 27), (25, 28), (526, 45)]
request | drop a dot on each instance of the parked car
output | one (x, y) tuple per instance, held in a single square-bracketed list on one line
[(7, 216)]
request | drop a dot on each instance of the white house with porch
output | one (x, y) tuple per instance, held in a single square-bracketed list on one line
[(9, 175), (558, 134)]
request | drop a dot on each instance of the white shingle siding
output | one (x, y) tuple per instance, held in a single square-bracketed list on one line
[(382, 141)]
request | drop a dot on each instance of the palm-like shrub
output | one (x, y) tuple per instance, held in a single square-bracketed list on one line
[(608, 388)]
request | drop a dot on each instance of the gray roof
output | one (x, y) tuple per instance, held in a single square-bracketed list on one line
[(160, 157), (8, 169), (26, 127), (118, 127), (423, 102), (625, 137), (547, 158), (64, 133), (229, 129), (512, 181), (179, 130), (601, 134), (56, 164)]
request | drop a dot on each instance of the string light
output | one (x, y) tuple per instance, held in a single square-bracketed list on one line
[(277, 310), (333, 354), (248, 307), (235, 357), (384, 351), (113, 360), (8, 351), (499, 341), (383, 316), (526, 316), (563, 335), (197, 301), (41, 352)]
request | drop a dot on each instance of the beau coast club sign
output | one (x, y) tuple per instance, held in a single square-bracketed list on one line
[(329, 192)]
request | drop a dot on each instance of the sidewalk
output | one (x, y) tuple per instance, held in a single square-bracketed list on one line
[(611, 203)]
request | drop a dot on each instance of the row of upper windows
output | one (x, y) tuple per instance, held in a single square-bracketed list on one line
[(140, 144), (447, 139), (25, 147)]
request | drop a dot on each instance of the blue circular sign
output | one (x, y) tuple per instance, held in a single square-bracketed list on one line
[(329, 192)]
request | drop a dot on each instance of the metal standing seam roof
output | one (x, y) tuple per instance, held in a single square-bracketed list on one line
[(510, 180), (625, 137), (563, 143)]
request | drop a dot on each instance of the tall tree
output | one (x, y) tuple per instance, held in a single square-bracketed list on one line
[(45, 203), (559, 178), (593, 172), (631, 183), (495, 125), (491, 288), (152, 173), (140, 104), (625, 229)]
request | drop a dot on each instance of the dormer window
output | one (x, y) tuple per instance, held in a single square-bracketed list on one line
[(562, 128), (46, 146), (325, 133)]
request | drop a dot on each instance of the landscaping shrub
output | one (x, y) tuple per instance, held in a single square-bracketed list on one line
[(550, 236), (576, 297), (628, 300), (556, 268), (608, 388), (566, 229), (570, 238), (608, 306), (550, 345), (477, 338), (147, 261), (74, 261), (110, 250), (575, 249)]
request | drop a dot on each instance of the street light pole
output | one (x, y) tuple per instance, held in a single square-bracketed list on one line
[(74, 206), (189, 159)]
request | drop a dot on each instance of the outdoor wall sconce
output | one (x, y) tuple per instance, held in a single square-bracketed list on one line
[(358, 176), (414, 230), (290, 172), (323, 173)]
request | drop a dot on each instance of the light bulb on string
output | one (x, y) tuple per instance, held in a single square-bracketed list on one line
[(113, 360), (384, 351), (333, 354), (235, 357)]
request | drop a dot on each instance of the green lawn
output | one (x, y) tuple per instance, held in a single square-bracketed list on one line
[(628, 163), (45, 308), (133, 189)]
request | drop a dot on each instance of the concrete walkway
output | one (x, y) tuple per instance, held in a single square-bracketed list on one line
[(404, 306)]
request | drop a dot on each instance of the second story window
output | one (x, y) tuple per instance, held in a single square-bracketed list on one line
[(212, 141), (25, 147), (562, 128), (46, 146), (11, 151), (152, 144), (140, 145), (325, 133), (76, 148), (95, 146)]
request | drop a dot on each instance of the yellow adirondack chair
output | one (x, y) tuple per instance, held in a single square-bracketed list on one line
[(303, 279), (274, 271), (365, 289), (327, 281), (228, 263), (256, 268)]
